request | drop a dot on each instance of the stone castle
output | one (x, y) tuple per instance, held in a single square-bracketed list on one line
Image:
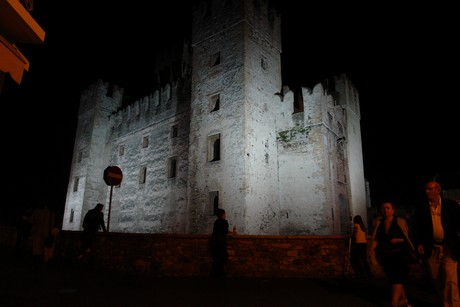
[(222, 131)]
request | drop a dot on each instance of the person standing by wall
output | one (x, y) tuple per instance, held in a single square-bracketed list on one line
[(92, 223), (358, 251), (436, 231), (218, 244), (388, 243)]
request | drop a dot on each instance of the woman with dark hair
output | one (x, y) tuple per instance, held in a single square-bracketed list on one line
[(358, 251), (390, 240)]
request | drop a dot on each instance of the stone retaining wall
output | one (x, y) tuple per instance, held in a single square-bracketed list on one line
[(187, 255)]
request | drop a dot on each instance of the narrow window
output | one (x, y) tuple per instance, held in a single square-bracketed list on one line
[(143, 175), (80, 156), (172, 167), (72, 213), (121, 150), (214, 102), (174, 131), (214, 59), (263, 63), (145, 142), (214, 147), (75, 184)]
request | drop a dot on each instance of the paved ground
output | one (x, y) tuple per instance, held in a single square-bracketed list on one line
[(76, 283)]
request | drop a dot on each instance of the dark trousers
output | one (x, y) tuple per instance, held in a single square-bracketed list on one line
[(86, 241), (220, 257), (358, 260)]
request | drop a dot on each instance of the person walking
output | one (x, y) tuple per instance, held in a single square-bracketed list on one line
[(389, 241), (358, 252), (436, 229), (92, 223), (218, 245)]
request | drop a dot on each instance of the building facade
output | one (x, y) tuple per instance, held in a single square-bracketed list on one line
[(222, 132)]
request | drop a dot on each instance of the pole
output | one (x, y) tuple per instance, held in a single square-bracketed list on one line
[(110, 208)]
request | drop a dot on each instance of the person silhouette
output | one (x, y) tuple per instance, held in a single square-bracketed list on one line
[(218, 244), (92, 223)]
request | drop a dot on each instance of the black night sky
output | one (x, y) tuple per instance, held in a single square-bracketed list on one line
[(404, 64)]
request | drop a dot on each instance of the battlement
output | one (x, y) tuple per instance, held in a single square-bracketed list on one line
[(161, 104), (101, 95)]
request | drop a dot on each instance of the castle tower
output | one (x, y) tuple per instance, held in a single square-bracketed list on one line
[(91, 153), (348, 98), (232, 156)]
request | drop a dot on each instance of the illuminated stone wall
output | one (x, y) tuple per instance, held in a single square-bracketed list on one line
[(286, 166)]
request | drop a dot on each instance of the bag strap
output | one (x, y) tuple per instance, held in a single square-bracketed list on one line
[(405, 230)]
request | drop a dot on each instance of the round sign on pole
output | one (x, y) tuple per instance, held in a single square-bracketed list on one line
[(113, 175)]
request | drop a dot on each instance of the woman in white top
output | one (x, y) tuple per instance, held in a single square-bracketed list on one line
[(358, 252)]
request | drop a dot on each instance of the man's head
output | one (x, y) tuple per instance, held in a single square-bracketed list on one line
[(433, 191), (220, 213)]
